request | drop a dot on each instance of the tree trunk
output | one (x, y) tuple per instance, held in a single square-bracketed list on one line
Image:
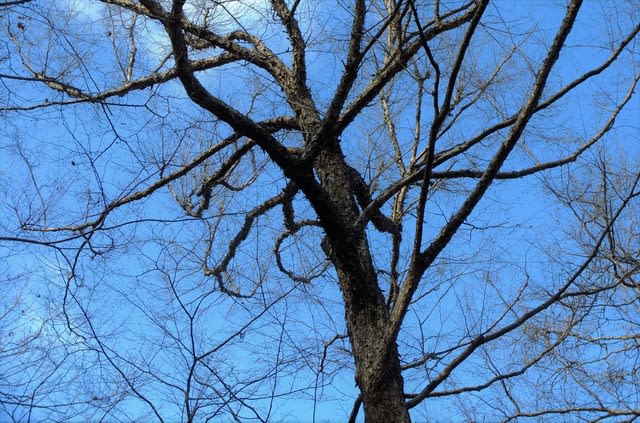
[(378, 371)]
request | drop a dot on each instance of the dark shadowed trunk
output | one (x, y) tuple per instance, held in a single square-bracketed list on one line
[(194, 192), (378, 372)]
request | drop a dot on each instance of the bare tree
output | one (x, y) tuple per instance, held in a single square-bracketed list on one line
[(243, 209)]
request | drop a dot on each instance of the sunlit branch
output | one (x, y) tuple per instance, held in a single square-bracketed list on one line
[(385, 75)]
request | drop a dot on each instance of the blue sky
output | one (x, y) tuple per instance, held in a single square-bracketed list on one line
[(143, 285)]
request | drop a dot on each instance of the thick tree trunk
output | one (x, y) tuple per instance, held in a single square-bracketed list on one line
[(378, 371)]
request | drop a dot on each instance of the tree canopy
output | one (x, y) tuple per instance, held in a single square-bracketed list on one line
[(273, 210)]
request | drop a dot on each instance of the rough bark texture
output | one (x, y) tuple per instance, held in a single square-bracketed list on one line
[(378, 372), (458, 129)]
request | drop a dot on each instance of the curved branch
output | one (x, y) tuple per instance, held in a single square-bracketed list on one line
[(234, 243), (276, 249)]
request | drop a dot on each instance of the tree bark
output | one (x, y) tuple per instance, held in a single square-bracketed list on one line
[(378, 372)]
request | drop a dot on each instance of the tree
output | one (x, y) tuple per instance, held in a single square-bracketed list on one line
[(234, 209)]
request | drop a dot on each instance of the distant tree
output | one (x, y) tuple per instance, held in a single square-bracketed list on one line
[(311, 210)]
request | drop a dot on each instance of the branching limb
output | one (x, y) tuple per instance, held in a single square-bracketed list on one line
[(386, 74), (440, 114), (361, 190), (427, 256), (485, 338), (288, 20), (219, 270)]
